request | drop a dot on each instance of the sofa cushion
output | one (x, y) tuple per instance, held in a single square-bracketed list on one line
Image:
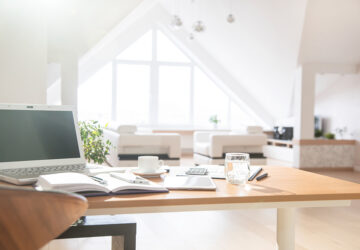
[(121, 128), (239, 140), (247, 130), (202, 148), (254, 130)]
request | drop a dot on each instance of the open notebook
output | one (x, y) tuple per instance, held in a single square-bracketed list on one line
[(85, 185)]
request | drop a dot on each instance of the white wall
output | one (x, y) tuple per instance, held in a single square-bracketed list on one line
[(23, 52), (338, 102)]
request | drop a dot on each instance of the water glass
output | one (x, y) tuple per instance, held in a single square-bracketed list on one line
[(237, 168)]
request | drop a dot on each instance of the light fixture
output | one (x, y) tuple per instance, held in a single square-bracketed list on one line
[(230, 18), (176, 22), (198, 26)]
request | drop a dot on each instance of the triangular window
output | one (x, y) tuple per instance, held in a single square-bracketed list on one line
[(167, 51), (141, 49), (154, 83)]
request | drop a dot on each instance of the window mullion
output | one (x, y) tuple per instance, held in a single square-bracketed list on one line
[(192, 87), (154, 82), (114, 91), (229, 113)]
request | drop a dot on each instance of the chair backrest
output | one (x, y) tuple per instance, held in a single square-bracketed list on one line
[(29, 218)]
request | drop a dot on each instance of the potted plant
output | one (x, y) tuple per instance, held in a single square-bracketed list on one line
[(318, 133), (214, 120), (330, 136), (95, 147)]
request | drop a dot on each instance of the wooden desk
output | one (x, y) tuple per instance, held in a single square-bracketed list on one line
[(284, 189)]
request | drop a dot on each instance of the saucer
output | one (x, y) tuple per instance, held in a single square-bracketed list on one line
[(157, 173)]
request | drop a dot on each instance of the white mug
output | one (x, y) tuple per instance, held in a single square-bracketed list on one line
[(149, 164)]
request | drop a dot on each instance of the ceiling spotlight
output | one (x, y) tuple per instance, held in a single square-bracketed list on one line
[(176, 22), (230, 18), (198, 26)]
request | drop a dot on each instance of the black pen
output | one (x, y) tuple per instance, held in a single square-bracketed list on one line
[(98, 179), (261, 177), (254, 174)]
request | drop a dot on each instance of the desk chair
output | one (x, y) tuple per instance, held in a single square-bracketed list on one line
[(29, 219)]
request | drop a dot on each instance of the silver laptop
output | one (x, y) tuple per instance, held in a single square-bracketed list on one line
[(36, 140)]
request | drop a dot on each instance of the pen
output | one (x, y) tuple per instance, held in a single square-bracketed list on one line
[(140, 180), (130, 179), (254, 174), (261, 177), (98, 179)]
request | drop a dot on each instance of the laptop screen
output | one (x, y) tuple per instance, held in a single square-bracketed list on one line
[(27, 135)]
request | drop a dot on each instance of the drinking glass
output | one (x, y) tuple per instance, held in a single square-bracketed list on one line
[(237, 168)]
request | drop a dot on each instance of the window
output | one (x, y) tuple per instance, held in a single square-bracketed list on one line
[(133, 92), (153, 83), (139, 50), (239, 118), (167, 51), (209, 100), (174, 95)]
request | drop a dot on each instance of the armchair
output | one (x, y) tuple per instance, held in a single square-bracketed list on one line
[(211, 147), (129, 145)]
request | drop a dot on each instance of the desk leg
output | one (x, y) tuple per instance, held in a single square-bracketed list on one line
[(117, 242), (285, 229)]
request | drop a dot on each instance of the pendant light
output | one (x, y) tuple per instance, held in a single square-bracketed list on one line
[(198, 26), (176, 21), (230, 18)]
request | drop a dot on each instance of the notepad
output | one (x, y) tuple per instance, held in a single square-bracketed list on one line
[(85, 185), (189, 182)]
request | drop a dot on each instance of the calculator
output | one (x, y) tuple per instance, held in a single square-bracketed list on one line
[(197, 171)]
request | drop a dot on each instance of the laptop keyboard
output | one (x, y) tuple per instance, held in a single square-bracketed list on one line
[(25, 173)]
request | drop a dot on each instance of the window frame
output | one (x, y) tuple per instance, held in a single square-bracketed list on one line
[(154, 85), (154, 65)]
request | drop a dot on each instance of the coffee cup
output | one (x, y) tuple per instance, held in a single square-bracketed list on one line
[(149, 164)]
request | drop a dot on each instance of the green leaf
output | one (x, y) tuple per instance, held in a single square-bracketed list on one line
[(95, 147)]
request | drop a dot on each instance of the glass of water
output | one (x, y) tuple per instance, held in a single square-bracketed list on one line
[(237, 168)]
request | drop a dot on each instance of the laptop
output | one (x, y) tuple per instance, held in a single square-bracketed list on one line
[(37, 140)]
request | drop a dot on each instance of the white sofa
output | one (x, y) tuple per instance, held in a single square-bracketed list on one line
[(130, 144), (211, 147)]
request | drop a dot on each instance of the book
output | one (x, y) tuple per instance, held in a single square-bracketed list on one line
[(91, 186)]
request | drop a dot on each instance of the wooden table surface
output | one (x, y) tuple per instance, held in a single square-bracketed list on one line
[(283, 185)]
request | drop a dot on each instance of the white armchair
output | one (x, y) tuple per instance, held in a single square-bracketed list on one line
[(130, 145), (211, 147)]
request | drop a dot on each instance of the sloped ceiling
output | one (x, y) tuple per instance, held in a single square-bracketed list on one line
[(260, 49), (331, 32), (270, 39), (75, 26)]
